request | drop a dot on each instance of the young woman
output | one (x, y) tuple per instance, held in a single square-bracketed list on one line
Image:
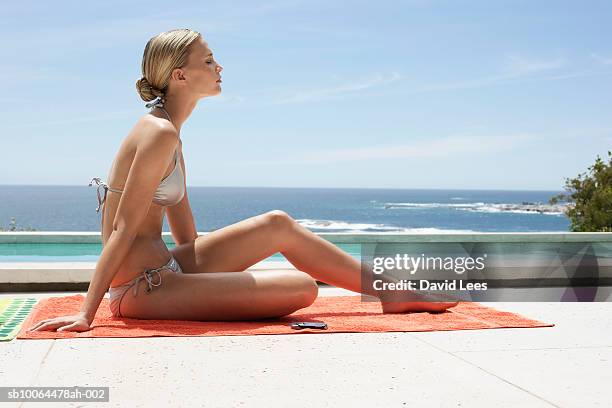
[(203, 277)]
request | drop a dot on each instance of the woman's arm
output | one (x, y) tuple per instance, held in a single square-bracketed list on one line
[(153, 155), (147, 170), (180, 217)]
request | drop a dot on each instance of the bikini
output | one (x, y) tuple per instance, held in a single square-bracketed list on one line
[(169, 192)]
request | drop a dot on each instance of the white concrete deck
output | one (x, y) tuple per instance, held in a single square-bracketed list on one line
[(564, 366)]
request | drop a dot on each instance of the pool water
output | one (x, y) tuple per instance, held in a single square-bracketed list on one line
[(91, 252)]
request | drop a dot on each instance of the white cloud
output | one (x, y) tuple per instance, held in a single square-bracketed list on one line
[(327, 93), (15, 100), (113, 31), (232, 99), (519, 66), (443, 147), (602, 60), (12, 74), (74, 120), (515, 70)]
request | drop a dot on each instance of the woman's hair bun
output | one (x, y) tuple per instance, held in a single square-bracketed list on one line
[(162, 54), (146, 91)]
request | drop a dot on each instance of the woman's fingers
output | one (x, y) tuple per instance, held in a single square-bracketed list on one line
[(76, 326), (68, 327), (37, 325), (50, 325), (64, 323)]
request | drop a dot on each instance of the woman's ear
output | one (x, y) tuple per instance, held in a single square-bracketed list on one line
[(178, 74)]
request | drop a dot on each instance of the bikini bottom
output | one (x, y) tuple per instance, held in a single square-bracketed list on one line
[(118, 292)]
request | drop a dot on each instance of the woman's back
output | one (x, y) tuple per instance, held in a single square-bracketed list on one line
[(148, 248)]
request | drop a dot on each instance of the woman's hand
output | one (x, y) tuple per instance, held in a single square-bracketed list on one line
[(77, 322)]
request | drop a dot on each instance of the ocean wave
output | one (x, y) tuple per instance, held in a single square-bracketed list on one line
[(523, 208), (343, 226), (429, 205)]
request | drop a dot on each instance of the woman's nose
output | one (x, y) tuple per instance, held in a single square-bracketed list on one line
[(219, 68)]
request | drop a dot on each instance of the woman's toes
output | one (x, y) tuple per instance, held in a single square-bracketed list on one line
[(411, 307)]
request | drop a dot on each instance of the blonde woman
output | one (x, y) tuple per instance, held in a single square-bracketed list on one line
[(203, 277)]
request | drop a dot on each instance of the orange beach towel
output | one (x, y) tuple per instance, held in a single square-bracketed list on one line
[(341, 313)]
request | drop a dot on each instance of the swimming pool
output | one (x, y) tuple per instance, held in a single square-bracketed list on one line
[(88, 252)]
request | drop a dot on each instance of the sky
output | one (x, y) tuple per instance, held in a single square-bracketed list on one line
[(513, 95)]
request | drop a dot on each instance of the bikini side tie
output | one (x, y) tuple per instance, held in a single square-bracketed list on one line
[(147, 276), (101, 184), (106, 187)]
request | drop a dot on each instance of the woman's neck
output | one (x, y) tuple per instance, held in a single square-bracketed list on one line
[(179, 109)]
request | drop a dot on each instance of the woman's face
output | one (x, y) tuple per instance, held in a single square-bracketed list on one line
[(202, 72)]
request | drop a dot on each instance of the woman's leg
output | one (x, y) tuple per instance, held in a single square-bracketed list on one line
[(234, 248), (327, 263), (222, 296), (240, 245)]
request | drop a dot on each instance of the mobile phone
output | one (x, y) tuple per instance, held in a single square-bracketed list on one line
[(309, 325)]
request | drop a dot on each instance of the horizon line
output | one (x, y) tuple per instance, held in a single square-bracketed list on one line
[(310, 187)]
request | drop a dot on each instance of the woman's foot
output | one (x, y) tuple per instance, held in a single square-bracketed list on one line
[(421, 303), (411, 307)]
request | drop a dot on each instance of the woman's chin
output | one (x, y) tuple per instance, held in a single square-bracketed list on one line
[(211, 93)]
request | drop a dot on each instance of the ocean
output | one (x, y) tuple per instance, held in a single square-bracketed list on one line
[(72, 208)]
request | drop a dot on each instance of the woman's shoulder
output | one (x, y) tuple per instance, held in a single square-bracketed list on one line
[(149, 134), (151, 129), (153, 124)]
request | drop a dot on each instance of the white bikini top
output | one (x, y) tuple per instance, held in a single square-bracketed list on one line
[(169, 192)]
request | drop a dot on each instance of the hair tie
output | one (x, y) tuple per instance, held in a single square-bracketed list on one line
[(159, 101)]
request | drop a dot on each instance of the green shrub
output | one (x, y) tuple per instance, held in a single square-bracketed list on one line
[(589, 198)]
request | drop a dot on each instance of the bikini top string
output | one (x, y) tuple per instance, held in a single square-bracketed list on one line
[(159, 103)]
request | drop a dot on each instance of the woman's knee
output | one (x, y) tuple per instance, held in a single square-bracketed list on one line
[(279, 219), (305, 288)]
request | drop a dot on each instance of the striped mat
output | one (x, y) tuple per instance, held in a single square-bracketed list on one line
[(13, 312)]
